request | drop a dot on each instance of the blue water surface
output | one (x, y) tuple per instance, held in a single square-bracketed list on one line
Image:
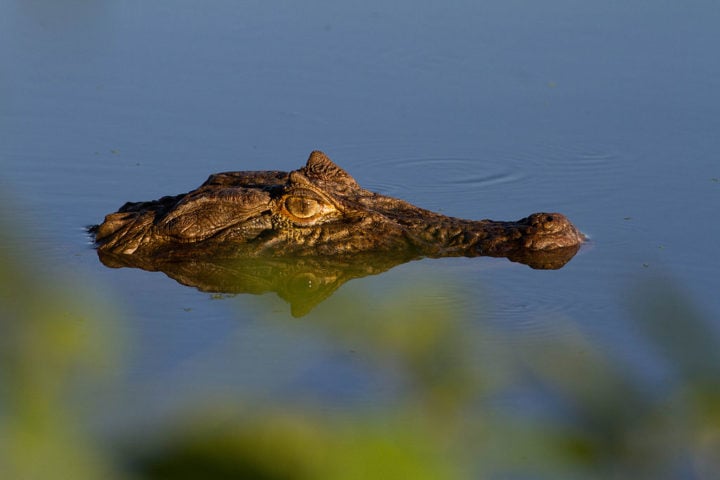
[(604, 111)]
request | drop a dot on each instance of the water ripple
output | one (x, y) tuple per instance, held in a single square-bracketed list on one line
[(441, 180)]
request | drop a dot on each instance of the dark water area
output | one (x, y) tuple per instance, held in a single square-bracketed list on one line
[(606, 112)]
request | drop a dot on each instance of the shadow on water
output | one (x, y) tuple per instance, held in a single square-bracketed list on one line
[(586, 413)]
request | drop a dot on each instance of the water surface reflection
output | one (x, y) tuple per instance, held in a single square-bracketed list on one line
[(303, 282)]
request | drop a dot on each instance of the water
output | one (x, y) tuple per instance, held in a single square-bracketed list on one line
[(606, 113)]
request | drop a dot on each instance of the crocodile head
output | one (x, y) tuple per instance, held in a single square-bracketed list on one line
[(318, 210)]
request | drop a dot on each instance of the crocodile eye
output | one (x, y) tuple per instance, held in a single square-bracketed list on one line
[(306, 207), (303, 208)]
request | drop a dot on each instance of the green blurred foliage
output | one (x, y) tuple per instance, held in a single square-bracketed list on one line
[(592, 415), (291, 444), (52, 340)]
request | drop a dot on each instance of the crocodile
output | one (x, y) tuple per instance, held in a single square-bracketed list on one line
[(319, 211)]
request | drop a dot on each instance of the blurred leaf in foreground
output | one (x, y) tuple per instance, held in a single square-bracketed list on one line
[(289, 444)]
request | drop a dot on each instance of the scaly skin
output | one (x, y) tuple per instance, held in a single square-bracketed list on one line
[(317, 211)]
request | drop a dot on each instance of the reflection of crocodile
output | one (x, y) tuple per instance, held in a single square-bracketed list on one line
[(301, 281), (272, 231)]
